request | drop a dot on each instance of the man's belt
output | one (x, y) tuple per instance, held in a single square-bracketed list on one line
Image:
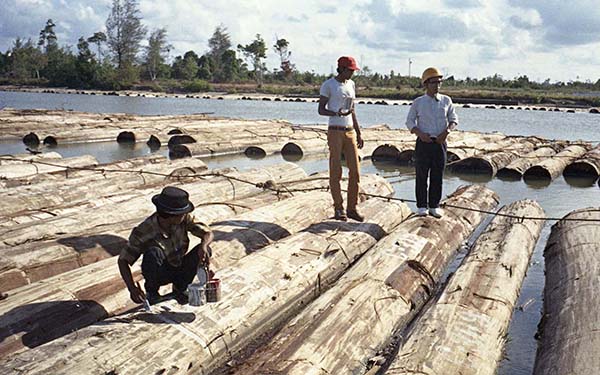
[(342, 128)]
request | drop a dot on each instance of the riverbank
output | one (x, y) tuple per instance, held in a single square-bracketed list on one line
[(377, 97)]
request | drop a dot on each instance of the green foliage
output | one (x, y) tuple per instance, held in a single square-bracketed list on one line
[(156, 52), (197, 85), (255, 52), (124, 32)]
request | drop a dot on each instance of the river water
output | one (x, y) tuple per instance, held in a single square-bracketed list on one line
[(557, 198)]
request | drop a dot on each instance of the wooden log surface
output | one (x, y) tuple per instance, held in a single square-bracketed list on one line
[(257, 292), (45, 310), (517, 167), (54, 179), (8, 159), (587, 166), (465, 331), (345, 327), (33, 167), (568, 334), (553, 167), (20, 250), (74, 191)]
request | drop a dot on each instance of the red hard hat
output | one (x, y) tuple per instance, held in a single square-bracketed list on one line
[(348, 62)]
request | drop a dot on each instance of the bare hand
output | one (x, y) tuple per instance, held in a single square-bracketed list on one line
[(204, 255), (441, 138), (359, 142), (136, 294), (424, 137), (341, 112)]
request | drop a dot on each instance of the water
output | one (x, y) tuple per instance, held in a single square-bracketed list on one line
[(557, 198)]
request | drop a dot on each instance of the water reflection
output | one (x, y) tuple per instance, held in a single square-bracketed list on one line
[(537, 182), (580, 182)]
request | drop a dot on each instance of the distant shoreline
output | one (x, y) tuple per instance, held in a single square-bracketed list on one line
[(491, 103)]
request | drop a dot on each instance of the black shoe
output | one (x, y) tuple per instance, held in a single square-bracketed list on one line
[(353, 214), (153, 297), (340, 215), (181, 297)]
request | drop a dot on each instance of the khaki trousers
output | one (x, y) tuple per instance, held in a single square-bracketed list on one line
[(342, 141)]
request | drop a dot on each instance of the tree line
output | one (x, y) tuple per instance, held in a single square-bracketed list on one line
[(116, 59)]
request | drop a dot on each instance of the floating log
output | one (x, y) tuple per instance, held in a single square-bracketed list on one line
[(568, 333), (462, 145), (257, 292), (73, 191), (301, 148), (516, 168), (587, 166), (33, 167), (551, 168), (490, 162), (25, 259), (34, 319), (465, 331), (262, 150), (345, 327), (7, 159), (394, 151)]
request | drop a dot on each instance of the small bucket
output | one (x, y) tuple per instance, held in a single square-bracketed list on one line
[(197, 294), (213, 290)]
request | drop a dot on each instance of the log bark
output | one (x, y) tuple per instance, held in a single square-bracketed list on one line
[(257, 292), (34, 167), (71, 192), (36, 262), (587, 166), (345, 327), (462, 145), (551, 168), (465, 331), (34, 314), (568, 334), (517, 168)]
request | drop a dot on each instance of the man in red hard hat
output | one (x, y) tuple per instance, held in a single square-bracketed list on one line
[(336, 101), (431, 118)]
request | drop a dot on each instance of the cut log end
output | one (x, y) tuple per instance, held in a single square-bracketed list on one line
[(386, 153), (154, 143), (292, 149), (181, 139), (31, 140), (255, 152), (50, 141), (126, 137), (537, 172), (473, 165), (581, 169), (179, 152), (509, 174)]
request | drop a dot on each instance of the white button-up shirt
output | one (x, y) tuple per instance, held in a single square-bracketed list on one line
[(431, 114)]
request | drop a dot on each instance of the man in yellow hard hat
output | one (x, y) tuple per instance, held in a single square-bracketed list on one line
[(431, 118), (343, 136)]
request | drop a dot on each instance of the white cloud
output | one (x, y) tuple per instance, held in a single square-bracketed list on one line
[(465, 37)]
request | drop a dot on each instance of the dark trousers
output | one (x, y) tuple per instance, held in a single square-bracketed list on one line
[(430, 161), (158, 271)]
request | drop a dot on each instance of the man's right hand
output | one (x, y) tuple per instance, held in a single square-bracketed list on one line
[(136, 294)]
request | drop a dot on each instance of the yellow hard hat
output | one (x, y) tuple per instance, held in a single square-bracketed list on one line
[(430, 73)]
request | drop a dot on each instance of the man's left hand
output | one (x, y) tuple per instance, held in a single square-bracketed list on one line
[(204, 255), (441, 138), (359, 141)]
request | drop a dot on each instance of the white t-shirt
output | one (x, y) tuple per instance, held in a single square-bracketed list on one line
[(341, 95)]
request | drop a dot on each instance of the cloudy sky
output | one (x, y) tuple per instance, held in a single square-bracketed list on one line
[(554, 39)]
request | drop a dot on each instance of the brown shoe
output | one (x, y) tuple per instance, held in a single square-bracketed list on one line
[(340, 215), (353, 214)]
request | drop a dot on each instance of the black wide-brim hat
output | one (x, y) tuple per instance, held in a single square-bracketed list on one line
[(173, 201)]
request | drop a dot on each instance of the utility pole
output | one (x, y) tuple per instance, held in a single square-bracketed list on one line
[(409, 64)]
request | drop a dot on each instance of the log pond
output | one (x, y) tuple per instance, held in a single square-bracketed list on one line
[(557, 198)]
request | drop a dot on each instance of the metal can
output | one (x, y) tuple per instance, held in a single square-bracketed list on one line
[(213, 290), (197, 294)]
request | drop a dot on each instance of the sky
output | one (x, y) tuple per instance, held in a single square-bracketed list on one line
[(543, 39)]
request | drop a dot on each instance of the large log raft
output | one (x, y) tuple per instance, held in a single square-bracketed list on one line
[(340, 331), (258, 292), (464, 332), (24, 259), (42, 311), (569, 332)]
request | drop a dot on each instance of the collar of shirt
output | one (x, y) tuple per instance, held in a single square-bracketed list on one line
[(435, 97), (159, 229)]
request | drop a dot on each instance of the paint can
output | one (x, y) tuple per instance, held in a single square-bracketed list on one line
[(213, 290), (197, 294)]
